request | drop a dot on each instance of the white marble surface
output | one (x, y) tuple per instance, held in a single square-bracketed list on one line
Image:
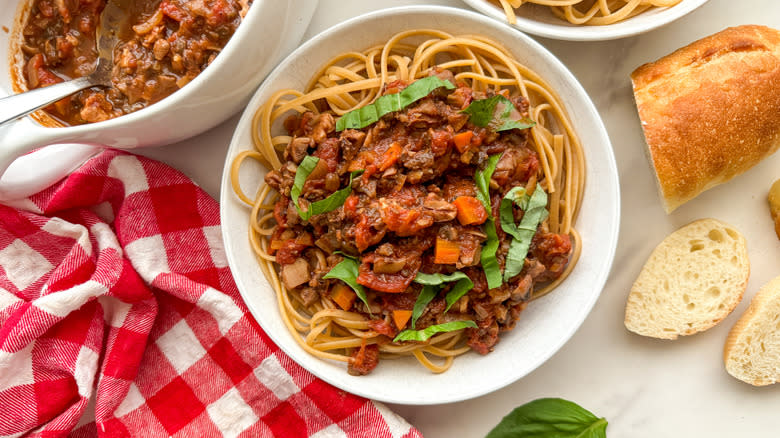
[(644, 387)]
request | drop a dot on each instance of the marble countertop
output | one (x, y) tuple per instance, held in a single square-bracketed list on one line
[(644, 387)]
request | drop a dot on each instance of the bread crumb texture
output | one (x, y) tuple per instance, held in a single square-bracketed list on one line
[(752, 350), (693, 279)]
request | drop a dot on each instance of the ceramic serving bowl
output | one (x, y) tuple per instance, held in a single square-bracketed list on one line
[(544, 326), (270, 30), (539, 20)]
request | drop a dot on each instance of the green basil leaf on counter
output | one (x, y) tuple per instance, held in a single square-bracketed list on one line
[(535, 212), (347, 271), (427, 294), (550, 418), (426, 333), (498, 113), (362, 117), (332, 202), (488, 256)]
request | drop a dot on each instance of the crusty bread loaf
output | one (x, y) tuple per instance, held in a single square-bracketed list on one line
[(752, 350), (710, 110), (693, 279)]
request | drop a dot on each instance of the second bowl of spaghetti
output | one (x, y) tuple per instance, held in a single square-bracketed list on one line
[(586, 20), (419, 215)]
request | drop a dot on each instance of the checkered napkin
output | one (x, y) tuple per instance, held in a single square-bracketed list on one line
[(119, 317)]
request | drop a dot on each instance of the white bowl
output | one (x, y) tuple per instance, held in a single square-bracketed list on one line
[(270, 30), (540, 20), (544, 326)]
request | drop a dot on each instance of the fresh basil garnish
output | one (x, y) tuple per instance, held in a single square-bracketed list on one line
[(332, 202), (463, 285), (482, 180), (362, 117), (347, 271), (550, 418), (535, 212), (438, 279), (426, 333), (488, 254), (498, 113), (427, 294)]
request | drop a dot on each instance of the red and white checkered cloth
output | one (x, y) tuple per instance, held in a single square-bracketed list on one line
[(119, 317)]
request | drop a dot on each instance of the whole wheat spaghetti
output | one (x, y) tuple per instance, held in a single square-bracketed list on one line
[(327, 324), (589, 12)]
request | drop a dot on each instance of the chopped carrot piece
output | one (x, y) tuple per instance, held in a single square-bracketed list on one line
[(391, 156), (446, 252), (470, 210), (401, 317), (276, 244), (462, 140), (343, 296)]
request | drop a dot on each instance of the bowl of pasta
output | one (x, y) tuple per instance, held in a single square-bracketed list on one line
[(586, 20), (418, 215)]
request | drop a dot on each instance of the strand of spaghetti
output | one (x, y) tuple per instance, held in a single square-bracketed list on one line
[(261, 138), (435, 368), (340, 344), (235, 166), (345, 317), (446, 352), (486, 79), (509, 11), (317, 94), (400, 36)]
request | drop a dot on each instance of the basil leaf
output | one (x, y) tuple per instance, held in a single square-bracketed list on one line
[(438, 279), (362, 117), (498, 113), (332, 202), (463, 285), (550, 418), (482, 180), (506, 212), (304, 170), (488, 256), (426, 295), (347, 271), (426, 333), (457, 291), (535, 213)]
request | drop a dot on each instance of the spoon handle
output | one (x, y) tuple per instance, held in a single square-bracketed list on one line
[(19, 105)]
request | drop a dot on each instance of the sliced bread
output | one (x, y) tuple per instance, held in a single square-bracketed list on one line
[(693, 279), (752, 350)]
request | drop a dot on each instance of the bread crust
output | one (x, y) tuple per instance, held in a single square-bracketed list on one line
[(757, 369), (710, 110)]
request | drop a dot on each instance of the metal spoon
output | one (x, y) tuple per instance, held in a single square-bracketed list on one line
[(19, 105)]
